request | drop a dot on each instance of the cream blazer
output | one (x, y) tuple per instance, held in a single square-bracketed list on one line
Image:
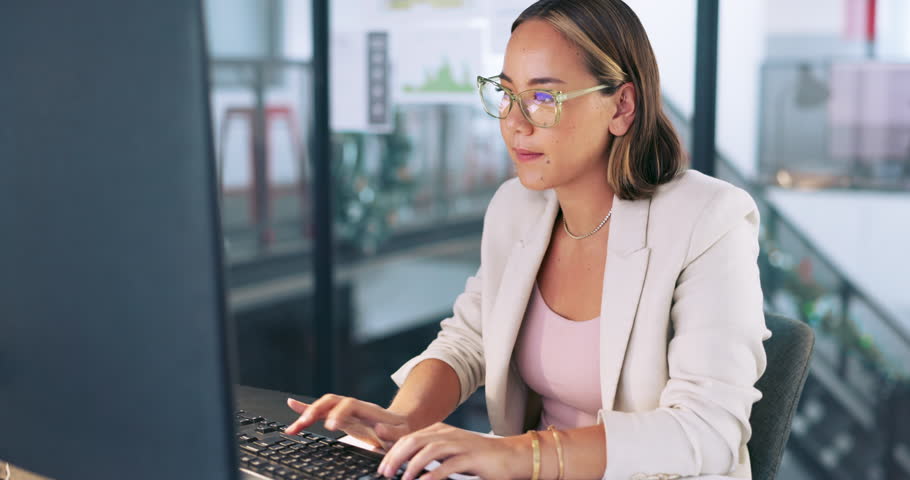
[(681, 328)]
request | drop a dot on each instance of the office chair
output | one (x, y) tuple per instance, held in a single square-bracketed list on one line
[(788, 351)]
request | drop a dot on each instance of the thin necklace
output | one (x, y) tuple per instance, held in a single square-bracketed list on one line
[(592, 232)]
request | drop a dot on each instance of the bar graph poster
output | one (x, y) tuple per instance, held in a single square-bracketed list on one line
[(436, 65)]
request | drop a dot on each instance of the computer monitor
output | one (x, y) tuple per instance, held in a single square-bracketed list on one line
[(113, 345)]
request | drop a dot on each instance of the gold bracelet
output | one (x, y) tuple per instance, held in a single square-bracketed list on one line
[(535, 445), (559, 455)]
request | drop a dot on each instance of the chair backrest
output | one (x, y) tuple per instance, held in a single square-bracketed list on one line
[(788, 351)]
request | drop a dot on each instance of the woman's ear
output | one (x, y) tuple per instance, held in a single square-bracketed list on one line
[(626, 100)]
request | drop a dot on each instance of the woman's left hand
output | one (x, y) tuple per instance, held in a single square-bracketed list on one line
[(458, 451)]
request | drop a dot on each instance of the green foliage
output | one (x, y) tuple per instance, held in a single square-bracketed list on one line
[(367, 196)]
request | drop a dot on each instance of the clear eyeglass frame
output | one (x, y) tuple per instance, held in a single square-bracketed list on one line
[(558, 96)]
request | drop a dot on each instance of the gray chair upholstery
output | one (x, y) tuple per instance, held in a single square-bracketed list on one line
[(788, 351)]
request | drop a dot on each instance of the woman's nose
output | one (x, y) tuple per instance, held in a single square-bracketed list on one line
[(517, 122)]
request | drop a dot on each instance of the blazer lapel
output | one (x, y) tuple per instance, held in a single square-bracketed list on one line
[(502, 327), (624, 275)]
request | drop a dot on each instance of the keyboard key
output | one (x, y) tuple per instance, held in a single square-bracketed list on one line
[(299, 439), (271, 439), (251, 448), (246, 421)]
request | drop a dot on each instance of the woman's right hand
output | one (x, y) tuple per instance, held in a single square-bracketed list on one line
[(362, 420)]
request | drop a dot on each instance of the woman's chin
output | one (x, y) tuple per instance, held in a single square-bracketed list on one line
[(533, 180)]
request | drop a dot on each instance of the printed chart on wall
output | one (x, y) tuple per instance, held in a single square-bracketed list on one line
[(431, 50), (436, 65)]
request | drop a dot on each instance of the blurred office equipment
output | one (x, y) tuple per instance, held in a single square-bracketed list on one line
[(869, 117), (835, 123)]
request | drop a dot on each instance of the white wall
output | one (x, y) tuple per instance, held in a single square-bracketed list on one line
[(740, 53), (741, 36), (236, 28), (893, 30), (805, 17), (671, 30)]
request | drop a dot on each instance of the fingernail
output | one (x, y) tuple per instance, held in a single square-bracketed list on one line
[(330, 424)]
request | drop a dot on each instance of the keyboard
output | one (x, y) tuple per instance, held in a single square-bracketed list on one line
[(267, 451)]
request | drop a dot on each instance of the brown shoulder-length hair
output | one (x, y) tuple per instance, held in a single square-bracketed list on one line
[(616, 50)]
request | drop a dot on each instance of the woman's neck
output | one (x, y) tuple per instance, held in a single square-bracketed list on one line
[(585, 202)]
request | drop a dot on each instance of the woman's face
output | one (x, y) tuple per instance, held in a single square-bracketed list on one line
[(539, 56)]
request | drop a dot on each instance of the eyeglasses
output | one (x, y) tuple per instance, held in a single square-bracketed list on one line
[(541, 107)]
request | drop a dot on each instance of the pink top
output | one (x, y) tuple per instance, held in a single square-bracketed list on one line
[(559, 359)]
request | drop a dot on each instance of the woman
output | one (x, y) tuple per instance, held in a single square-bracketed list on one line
[(602, 223)]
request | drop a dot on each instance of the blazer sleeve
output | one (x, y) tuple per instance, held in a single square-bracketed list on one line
[(715, 356), (458, 343)]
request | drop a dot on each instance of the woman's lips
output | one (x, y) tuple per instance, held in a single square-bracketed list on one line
[(526, 155)]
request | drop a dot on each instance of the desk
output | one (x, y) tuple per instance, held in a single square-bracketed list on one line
[(273, 405)]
